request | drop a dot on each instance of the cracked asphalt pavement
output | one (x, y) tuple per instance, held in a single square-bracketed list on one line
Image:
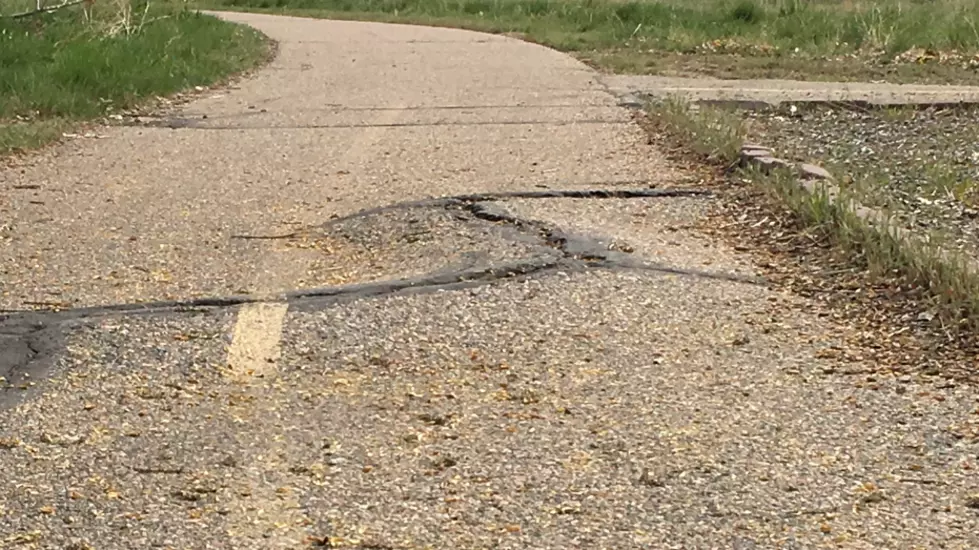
[(426, 288)]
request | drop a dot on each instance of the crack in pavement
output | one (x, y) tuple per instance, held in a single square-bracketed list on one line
[(337, 108), (31, 338), (462, 200), (195, 124)]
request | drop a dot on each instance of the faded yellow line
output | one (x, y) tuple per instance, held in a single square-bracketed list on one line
[(261, 512), (255, 345), (265, 511)]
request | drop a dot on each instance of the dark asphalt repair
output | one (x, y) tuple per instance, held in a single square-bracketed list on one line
[(31, 340)]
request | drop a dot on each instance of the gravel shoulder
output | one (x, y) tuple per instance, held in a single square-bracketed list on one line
[(910, 150)]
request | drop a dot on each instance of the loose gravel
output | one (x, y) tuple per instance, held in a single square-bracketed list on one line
[(920, 164), (602, 409)]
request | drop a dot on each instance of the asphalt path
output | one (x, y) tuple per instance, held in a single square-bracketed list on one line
[(426, 288)]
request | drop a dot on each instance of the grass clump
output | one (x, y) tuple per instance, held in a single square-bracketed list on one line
[(78, 64), (715, 134), (748, 11)]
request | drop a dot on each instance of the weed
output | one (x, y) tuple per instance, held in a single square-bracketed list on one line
[(748, 11), (713, 133)]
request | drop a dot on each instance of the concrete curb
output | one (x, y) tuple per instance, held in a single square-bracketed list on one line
[(816, 180), (802, 104), (756, 94)]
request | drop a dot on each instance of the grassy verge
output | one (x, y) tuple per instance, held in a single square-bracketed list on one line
[(897, 40), (874, 246), (69, 66)]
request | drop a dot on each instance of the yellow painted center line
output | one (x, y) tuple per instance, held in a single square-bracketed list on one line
[(255, 346), (266, 513)]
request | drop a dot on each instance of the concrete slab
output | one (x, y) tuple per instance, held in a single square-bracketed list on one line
[(785, 91)]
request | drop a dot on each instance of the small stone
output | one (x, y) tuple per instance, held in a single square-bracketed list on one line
[(874, 497), (972, 501), (751, 157), (931, 370), (769, 164), (651, 480), (741, 341), (812, 172), (187, 496), (755, 153)]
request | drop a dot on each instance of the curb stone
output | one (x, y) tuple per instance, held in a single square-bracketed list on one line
[(816, 179), (812, 178)]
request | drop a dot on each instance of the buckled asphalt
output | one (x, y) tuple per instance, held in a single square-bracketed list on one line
[(426, 288)]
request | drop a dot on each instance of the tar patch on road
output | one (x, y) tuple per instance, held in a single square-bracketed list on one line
[(28, 346), (31, 340)]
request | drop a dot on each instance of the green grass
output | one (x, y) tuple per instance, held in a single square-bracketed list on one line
[(57, 69), (820, 39)]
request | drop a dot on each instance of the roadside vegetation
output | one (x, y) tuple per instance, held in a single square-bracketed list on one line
[(88, 60), (896, 40), (885, 251)]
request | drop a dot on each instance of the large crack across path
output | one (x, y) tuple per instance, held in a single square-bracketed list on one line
[(256, 110), (195, 124), (31, 338), (475, 198)]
